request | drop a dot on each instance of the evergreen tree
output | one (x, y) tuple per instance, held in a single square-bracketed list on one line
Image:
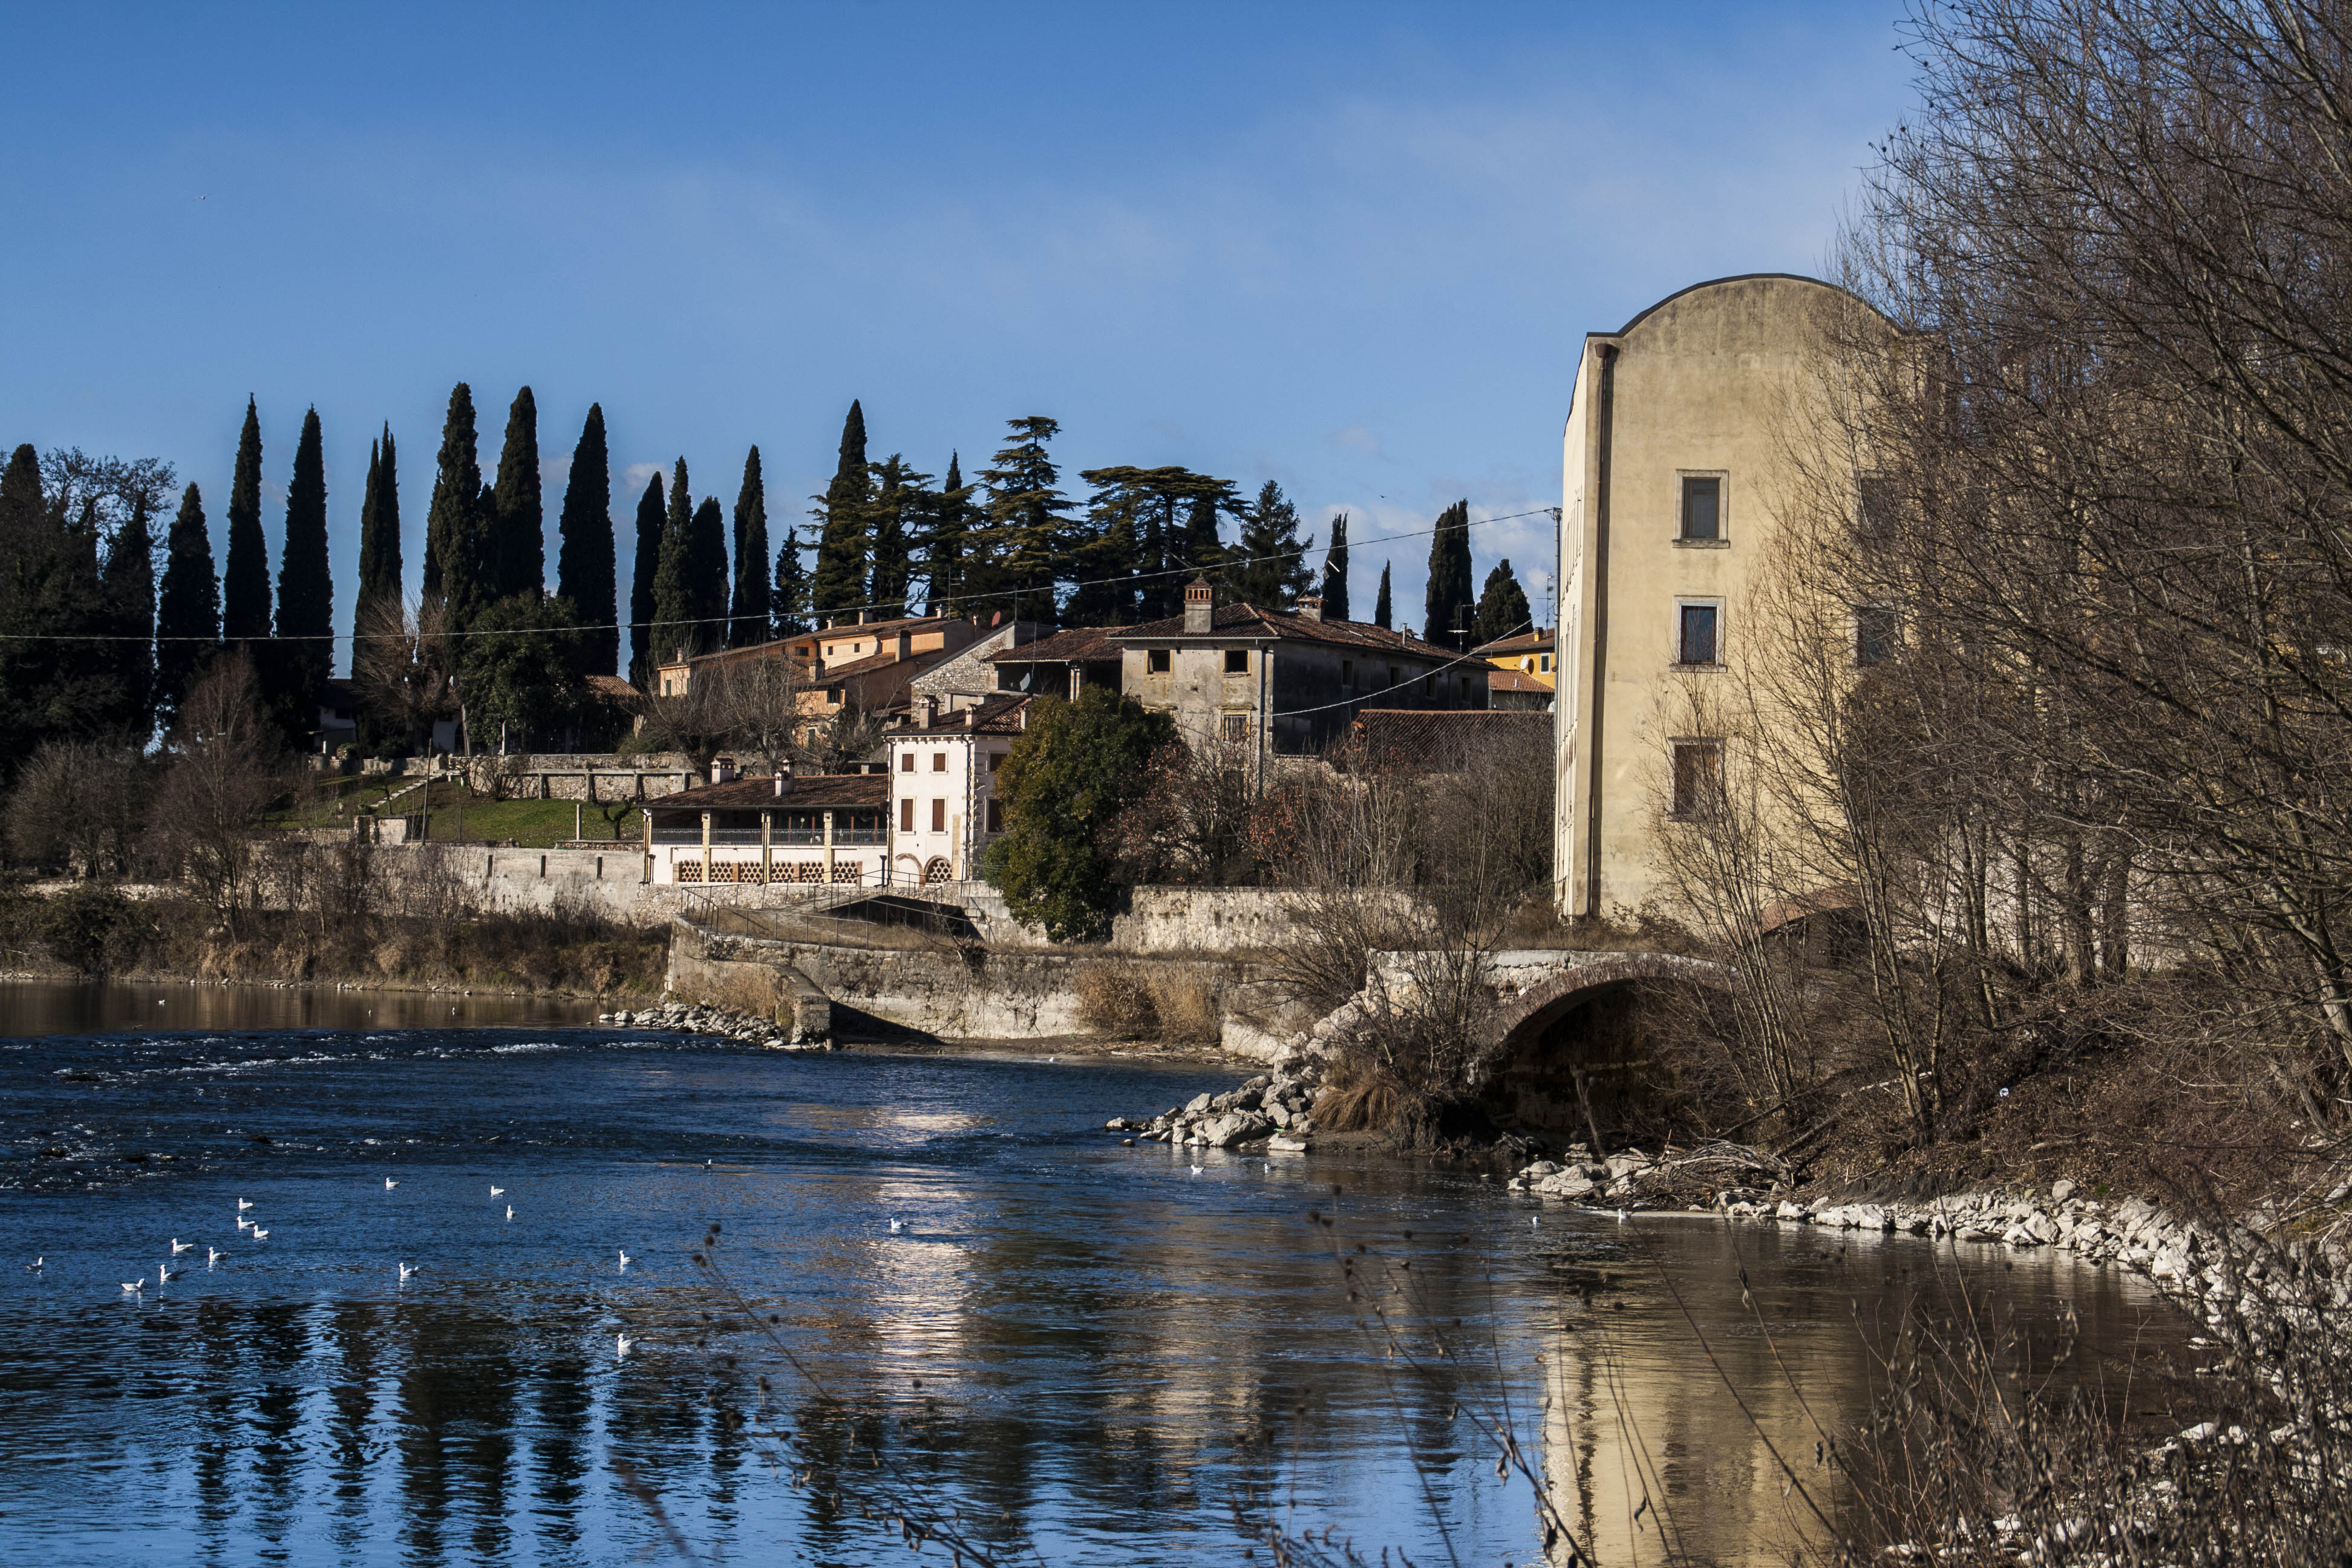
[(52, 687), (789, 603), (1335, 571), (1382, 616), (585, 572), (187, 610), (1028, 540), (1502, 608), (1448, 602), (1107, 561), (297, 673), (1270, 568), (705, 573), (676, 587), (1203, 548), (245, 585), (898, 510), (641, 572), (380, 529), (514, 553), (453, 530), (750, 620), (127, 583), (946, 531), (840, 580)]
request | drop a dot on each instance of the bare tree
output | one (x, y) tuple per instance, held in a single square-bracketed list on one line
[(79, 804), (760, 704), (405, 666), (220, 781)]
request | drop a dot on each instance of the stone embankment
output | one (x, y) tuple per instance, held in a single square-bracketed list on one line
[(1273, 1109), (693, 1019)]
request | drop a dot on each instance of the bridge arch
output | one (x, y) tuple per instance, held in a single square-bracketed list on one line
[(1589, 1015)]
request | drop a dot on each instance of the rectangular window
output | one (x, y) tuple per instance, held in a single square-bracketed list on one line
[(995, 761), (1236, 661), (938, 816), (1396, 677), (1874, 631), (1236, 727), (1346, 672), (906, 762), (1702, 507), (1156, 662), (1698, 779), (1694, 638), (907, 815), (1878, 506), (996, 816), (939, 762)]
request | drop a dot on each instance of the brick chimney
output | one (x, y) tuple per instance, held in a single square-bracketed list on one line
[(1199, 610), (930, 712), (1310, 609)]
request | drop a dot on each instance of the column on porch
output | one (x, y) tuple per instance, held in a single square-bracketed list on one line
[(706, 849), (767, 848), (828, 848)]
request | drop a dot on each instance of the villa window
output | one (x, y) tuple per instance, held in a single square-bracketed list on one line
[(938, 816), (1235, 727), (1875, 633), (1698, 780), (995, 816), (1696, 634), (939, 762), (1236, 661), (1156, 662), (906, 762), (1878, 508), (995, 761), (1702, 509), (907, 815)]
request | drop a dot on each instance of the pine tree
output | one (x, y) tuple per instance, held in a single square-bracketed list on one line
[(52, 684), (899, 506), (789, 604), (749, 618), (127, 583), (1107, 559), (1448, 602), (245, 585), (453, 528), (305, 654), (1270, 569), (1502, 608), (1029, 534), (1335, 571), (585, 572), (641, 572), (187, 610), (379, 530), (1382, 616), (840, 580), (514, 554)]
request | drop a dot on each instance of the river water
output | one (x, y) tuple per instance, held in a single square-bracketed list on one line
[(1089, 1352)]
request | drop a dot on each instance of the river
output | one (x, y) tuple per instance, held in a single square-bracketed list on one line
[(1086, 1347)]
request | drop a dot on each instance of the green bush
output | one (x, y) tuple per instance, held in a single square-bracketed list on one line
[(1074, 770)]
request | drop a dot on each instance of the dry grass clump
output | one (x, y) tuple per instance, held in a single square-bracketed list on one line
[(1172, 1003)]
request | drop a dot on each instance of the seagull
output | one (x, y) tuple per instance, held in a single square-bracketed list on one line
[(621, 1343), (164, 1276), (134, 1286), (244, 1224), (35, 1267), (389, 1184), (259, 1234), (1621, 1216), (1533, 1220), (625, 1261), (242, 1205), (498, 1191), (178, 1246), (1196, 1170), (213, 1254), (510, 1211), (406, 1270), (897, 1224)]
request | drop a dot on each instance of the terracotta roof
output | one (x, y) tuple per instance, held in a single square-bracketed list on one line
[(905, 623), (1514, 680), (1233, 623), (1072, 645), (612, 688), (1435, 738), (997, 715), (1536, 641), (736, 655), (874, 661), (807, 792)]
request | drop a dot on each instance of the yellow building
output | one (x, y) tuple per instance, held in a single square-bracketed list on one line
[(1675, 471)]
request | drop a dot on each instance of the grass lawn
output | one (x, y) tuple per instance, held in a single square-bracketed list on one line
[(530, 824)]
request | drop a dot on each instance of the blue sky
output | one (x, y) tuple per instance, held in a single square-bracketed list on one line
[(1350, 247)]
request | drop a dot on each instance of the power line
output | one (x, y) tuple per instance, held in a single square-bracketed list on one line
[(1009, 593), (1528, 625)]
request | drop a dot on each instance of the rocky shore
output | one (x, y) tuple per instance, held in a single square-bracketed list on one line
[(691, 1019), (1273, 1108)]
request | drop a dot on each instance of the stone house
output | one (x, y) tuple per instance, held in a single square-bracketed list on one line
[(942, 773), (867, 665)]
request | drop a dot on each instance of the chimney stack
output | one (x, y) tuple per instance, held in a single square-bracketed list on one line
[(930, 712), (1199, 608), (780, 786), (1310, 609), (722, 770)]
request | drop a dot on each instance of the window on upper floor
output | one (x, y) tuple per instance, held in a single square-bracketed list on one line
[(1877, 508), (907, 815), (906, 762), (1234, 727), (995, 761), (1702, 507), (1697, 638), (1156, 662), (1698, 780), (939, 762), (1875, 631), (938, 816), (1236, 661), (995, 816)]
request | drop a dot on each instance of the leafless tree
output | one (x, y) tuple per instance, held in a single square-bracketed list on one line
[(1192, 824), (79, 804), (760, 705), (404, 666), (221, 778)]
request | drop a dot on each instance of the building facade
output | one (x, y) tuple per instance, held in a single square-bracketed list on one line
[(943, 770), (1675, 471), (829, 829)]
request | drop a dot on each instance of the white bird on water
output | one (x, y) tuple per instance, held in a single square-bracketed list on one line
[(621, 1343), (510, 1211), (897, 1224), (134, 1286), (242, 1205), (178, 1246), (1197, 1169), (244, 1224), (213, 1254), (498, 1191), (625, 1261), (389, 1184), (35, 1266), (406, 1270), (259, 1234), (164, 1276)]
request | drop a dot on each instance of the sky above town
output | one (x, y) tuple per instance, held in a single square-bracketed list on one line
[(1352, 247)]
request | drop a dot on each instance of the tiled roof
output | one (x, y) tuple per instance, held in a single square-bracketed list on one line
[(1442, 737), (874, 661), (807, 792), (742, 654), (612, 688), (1072, 645), (1536, 641), (1514, 680), (996, 715), (1233, 623), (878, 628)]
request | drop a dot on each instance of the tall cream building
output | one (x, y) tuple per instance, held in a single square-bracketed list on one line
[(1675, 471)]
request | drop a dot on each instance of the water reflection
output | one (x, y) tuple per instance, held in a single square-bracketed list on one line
[(1081, 1346)]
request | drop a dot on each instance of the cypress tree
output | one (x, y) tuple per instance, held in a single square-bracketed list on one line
[(453, 559), (790, 603), (1382, 616), (1502, 608), (705, 573), (379, 530), (128, 584), (514, 555), (749, 619), (1448, 602), (674, 599), (1272, 570), (306, 590), (245, 585), (641, 572), (1335, 571), (897, 508), (946, 523), (585, 568), (840, 580), (187, 610)]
